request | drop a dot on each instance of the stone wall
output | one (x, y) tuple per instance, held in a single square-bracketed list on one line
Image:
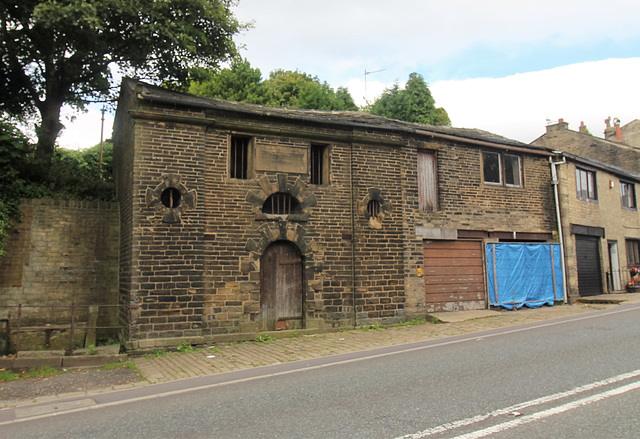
[(195, 269), (607, 213), (62, 252)]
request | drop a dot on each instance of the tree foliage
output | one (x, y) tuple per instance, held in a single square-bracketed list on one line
[(71, 174), (240, 82), (301, 90), (284, 88), (414, 103), (56, 52)]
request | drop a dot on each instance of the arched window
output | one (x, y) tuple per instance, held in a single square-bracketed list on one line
[(281, 204)]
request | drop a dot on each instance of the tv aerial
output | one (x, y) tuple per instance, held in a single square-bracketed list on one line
[(366, 100)]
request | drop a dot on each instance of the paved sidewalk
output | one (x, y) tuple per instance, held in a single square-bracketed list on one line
[(226, 357)]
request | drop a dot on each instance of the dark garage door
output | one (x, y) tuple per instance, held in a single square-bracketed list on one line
[(588, 257)]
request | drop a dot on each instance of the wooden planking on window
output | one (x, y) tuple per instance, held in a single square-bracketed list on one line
[(427, 181), (319, 166)]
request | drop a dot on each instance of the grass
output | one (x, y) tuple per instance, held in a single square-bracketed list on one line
[(264, 338), (373, 327), (41, 372), (415, 322), (121, 365)]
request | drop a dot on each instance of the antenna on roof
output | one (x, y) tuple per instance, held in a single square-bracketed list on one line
[(366, 100)]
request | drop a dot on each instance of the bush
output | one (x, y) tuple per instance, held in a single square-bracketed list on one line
[(69, 175)]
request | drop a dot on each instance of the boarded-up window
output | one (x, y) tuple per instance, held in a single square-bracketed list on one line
[(427, 181)]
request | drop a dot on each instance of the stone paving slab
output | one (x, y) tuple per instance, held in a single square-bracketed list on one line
[(226, 357)]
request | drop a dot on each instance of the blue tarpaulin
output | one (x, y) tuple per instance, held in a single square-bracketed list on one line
[(523, 274)]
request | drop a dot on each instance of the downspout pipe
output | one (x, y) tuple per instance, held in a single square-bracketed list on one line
[(554, 178)]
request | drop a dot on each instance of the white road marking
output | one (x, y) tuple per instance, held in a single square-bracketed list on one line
[(320, 366), (534, 402), (550, 412)]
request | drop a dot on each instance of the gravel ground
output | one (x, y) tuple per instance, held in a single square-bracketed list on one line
[(72, 381)]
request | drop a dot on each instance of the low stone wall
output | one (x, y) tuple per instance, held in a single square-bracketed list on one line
[(62, 253)]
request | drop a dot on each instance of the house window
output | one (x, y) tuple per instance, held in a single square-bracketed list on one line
[(240, 158), (319, 164), (628, 195), (281, 204), (504, 169), (586, 185), (427, 181), (633, 252)]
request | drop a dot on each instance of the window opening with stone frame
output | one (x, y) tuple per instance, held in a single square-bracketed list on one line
[(427, 181), (319, 166), (240, 159), (502, 169), (628, 195), (586, 185), (281, 204), (373, 208), (633, 252)]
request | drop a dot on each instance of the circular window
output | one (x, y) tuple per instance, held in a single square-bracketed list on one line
[(373, 208), (170, 197)]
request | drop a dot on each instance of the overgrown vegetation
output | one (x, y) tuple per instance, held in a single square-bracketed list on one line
[(42, 372), (70, 175), (264, 338), (120, 365)]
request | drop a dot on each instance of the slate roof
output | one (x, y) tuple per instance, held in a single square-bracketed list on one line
[(157, 94)]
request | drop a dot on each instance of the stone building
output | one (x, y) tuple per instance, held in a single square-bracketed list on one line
[(597, 180), (628, 134), (237, 218)]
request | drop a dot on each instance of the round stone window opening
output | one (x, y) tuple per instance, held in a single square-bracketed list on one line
[(171, 197)]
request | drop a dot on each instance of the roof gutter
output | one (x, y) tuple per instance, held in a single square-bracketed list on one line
[(484, 143)]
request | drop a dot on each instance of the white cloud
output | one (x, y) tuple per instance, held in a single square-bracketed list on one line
[(335, 38), (83, 129), (518, 106)]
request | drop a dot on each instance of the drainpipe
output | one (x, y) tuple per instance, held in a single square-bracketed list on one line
[(554, 177), (353, 237)]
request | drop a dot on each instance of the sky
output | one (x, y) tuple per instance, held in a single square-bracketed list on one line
[(504, 66)]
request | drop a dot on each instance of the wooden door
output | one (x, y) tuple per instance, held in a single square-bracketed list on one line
[(281, 287)]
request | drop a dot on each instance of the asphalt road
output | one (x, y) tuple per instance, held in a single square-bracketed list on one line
[(577, 377)]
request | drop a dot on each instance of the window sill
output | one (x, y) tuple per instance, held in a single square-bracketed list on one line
[(300, 217)]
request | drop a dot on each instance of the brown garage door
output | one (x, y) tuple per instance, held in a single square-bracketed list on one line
[(453, 275)]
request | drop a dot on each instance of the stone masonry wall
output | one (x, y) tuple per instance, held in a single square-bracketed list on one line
[(62, 251), (618, 223), (200, 278)]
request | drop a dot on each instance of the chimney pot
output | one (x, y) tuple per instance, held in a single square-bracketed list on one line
[(582, 128)]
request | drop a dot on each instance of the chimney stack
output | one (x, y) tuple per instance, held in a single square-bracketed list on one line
[(560, 126), (616, 124), (609, 131), (582, 128)]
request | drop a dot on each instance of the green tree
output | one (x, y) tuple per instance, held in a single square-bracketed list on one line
[(240, 82), (414, 103), (301, 90), (55, 52)]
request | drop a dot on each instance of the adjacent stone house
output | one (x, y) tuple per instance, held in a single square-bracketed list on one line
[(237, 218), (597, 181)]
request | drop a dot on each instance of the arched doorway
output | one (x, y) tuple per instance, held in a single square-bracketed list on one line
[(281, 287)]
